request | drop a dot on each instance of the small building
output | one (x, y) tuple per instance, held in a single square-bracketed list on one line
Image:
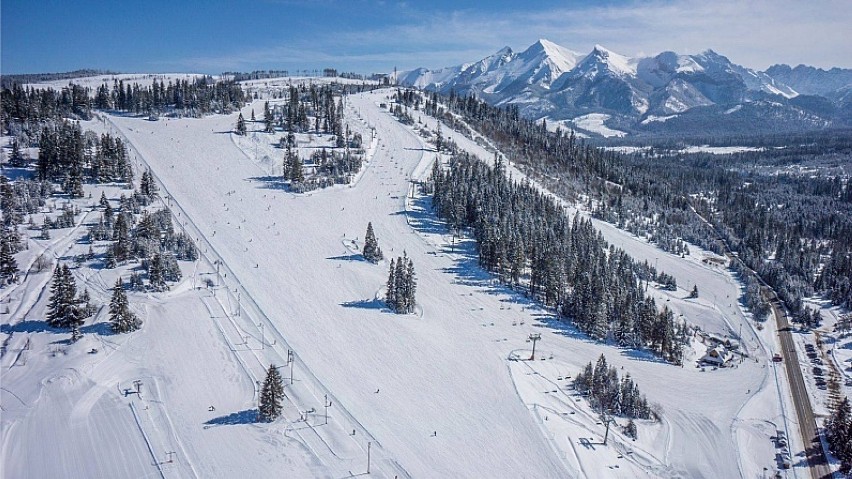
[(717, 356)]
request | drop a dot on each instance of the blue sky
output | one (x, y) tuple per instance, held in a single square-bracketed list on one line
[(367, 36)]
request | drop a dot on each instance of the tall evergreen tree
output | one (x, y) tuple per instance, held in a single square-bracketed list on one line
[(268, 118), (411, 287), (372, 252), (294, 167), (271, 396), (121, 318), (45, 229), (63, 310), (8, 264), (121, 237), (147, 186), (630, 430), (401, 286), (241, 126), (390, 286), (838, 434), (156, 273)]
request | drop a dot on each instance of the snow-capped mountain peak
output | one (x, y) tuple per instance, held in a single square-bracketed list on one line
[(547, 79), (544, 61), (602, 58)]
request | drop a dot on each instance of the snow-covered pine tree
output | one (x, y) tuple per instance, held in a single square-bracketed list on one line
[(411, 287), (268, 118), (155, 273), (390, 287), (8, 264), (401, 285), (16, 158), (121, 318), (45, 229), (62, 309), (630, 430), (608, 394), (57, 293), (171, 269), (121, 236), (838, 433), (271, 396), (372, 252), (400, 292), (74, 182), (147, 186), (295, 167), (241, 126)]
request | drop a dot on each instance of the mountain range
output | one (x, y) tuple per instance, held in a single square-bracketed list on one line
[(666, 93)]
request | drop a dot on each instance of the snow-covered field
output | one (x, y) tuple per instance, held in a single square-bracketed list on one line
[(713, 150), (439, 393), (719, 150), (594, 122), (653, 118)]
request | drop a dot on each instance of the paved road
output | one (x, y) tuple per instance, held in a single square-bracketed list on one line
[(801, 400)]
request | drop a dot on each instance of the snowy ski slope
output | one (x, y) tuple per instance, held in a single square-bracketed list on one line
[(435, 394)]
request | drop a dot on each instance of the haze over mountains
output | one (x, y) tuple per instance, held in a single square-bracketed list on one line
[(666, 93)]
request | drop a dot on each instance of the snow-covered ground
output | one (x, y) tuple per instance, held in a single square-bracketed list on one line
[(565, 125), (713, 150), (594, 122), (433, 394), (653, 118), (719, 150)]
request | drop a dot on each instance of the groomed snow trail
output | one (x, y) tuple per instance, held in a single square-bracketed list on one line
[(445, 405), (433, 389)]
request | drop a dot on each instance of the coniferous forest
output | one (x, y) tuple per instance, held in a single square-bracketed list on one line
[(529, 242), (792, 229), (196, 97)]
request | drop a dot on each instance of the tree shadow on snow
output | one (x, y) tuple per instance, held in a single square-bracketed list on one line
[(642, 355), (561, 327), (364, 304), (348, 257), (101, 329), (247, 416), (422, 219), (271, 182), (28, 326)]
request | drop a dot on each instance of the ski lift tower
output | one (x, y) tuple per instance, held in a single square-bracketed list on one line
[(607, 420), (534, 337)]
